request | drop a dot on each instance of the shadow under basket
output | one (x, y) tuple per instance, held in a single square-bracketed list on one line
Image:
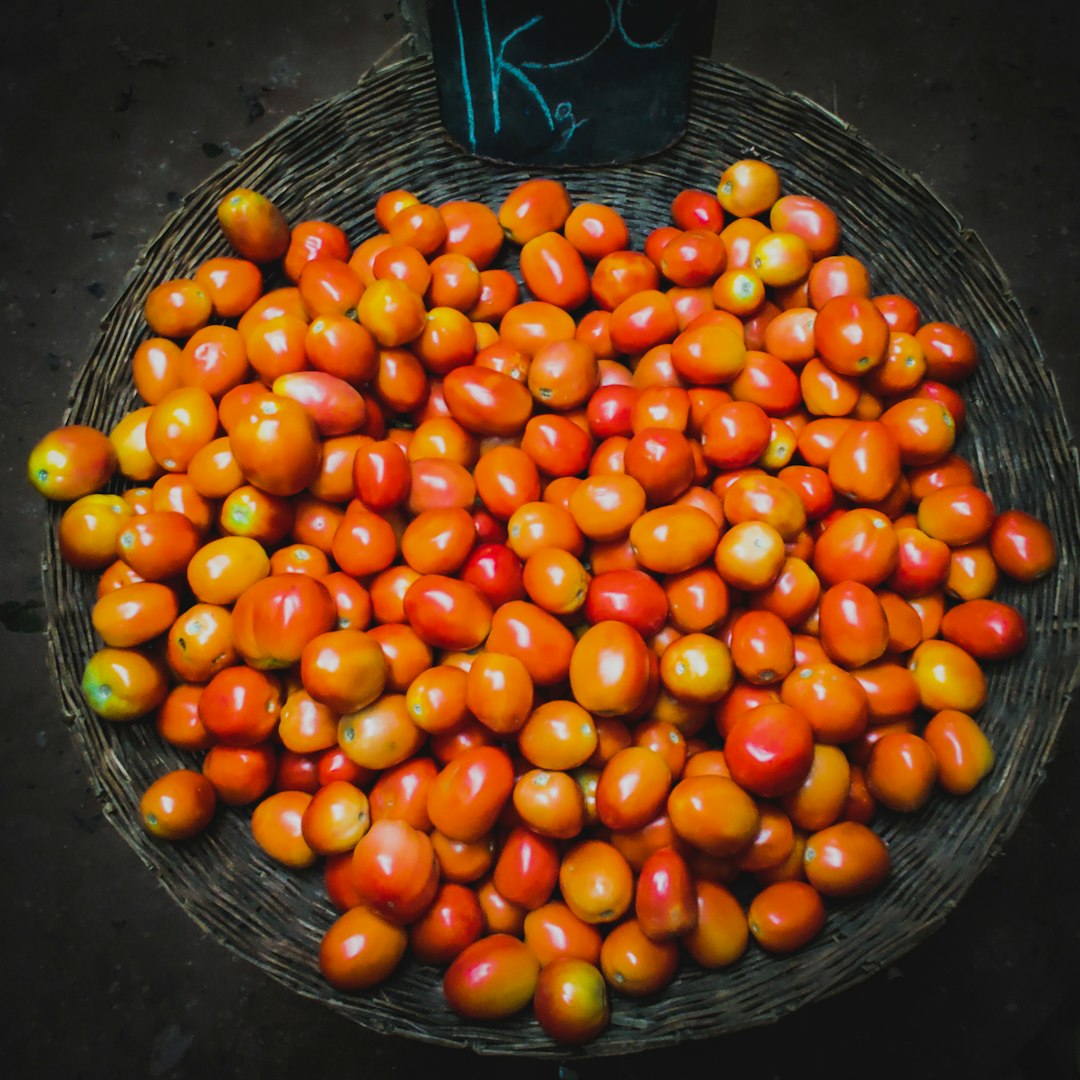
[(332, 162)]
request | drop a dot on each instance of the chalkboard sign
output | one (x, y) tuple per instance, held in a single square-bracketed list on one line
[(573, 82)]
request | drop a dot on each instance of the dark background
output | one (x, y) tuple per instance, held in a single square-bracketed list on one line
[(112, 110)]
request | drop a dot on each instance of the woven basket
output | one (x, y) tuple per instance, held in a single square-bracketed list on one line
[(331, 162)]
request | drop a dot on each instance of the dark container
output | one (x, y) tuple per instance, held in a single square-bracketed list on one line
[(566, 82)]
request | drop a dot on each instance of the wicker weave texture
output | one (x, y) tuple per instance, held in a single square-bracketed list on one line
[(331, 162)]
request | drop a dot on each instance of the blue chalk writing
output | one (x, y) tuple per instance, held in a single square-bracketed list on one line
[(469, 114), (561, 119)]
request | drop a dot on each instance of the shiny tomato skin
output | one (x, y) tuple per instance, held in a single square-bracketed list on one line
[(178, 805), (609, 669), (448, 613), (496, 571), (951, 352), (395, 870), (275, 618), (846, 859), (665, 902), (527, 868), (554, 271), (1022, 546), (785, 916), (542, 643), (492, 978), (450, 925), (769, 750), (361, 949), (987, 629), (486, 402), (854, 630), (963, 752), (629, 596), (570, 1001), (467, 796)]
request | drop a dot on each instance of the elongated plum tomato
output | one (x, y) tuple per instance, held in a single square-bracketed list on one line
[(448, 613), (609, 670)]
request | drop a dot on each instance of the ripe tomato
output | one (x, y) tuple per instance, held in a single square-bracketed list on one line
[(785, 916), (492, 978), (395, 871), (123, 684), (361, 949), (254, 226), (178, 805), (570, 1001), (635, 965), (770, 749), (452, 923), (1022, 545)]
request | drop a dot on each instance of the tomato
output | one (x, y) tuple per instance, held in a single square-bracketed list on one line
[(361, 949), (492, 978), (254, 225), (123, 684), (785, 916), (609, 669), (554, 270), (89, 530), (748, 188), (596, 882), (469, 793), (620, 275), (177, 719), (770, 749), (854, 630), (986, 629), (960, 514), (750, 555), (713, 813), (276, 445), (735, 434), (306, 725), (721, 933), (951, 353), (395, 871), (558, 735), (200, 643), (923, 563), (830, 698), (665, 902), (596, 230), (240, 774), (697, 668), (224, 568), (535, 637), (570, 1001), (276, 617), (846, 859), (1022, 545), (532, 208), (695, 600), (633, 964), (527, 868), (233, 285), (808, 218), (452, 923), (485, 401), (672, 539), (276, 825), (240, 706), (155, 369), (178, 805), (177, 308), (901, 771), (947, 677), (963, 752)]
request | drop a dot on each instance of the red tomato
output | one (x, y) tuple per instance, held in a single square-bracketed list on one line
[(769, 750)]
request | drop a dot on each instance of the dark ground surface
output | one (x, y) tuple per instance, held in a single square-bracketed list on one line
[(113, 108)]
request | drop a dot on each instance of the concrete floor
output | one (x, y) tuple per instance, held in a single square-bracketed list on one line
[(115, 107)]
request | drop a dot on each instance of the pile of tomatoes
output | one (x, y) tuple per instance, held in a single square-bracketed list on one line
[(562, 627)]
